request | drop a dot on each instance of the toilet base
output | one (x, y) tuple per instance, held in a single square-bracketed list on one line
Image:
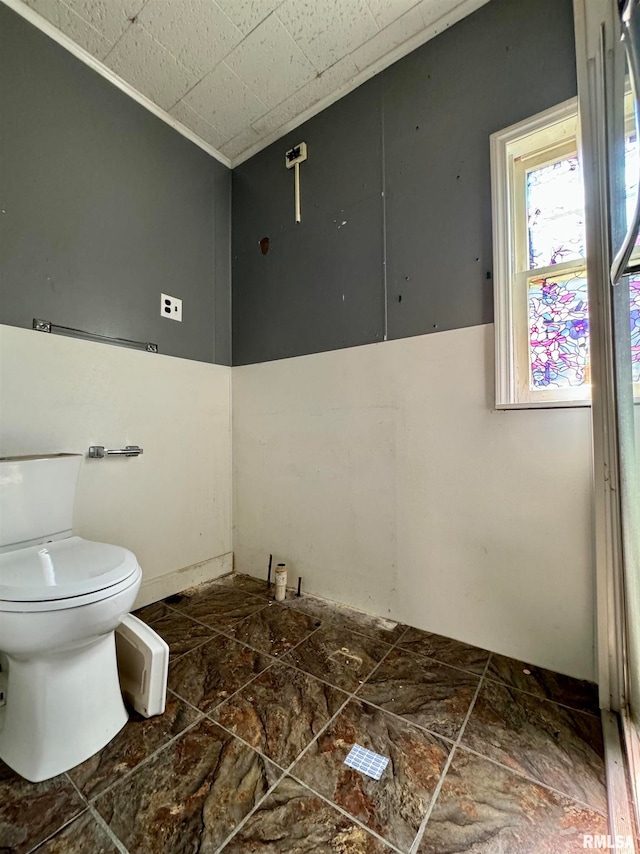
[(61, 708)]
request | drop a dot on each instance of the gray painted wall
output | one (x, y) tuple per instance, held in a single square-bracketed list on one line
[(397, 179), (104, 207)]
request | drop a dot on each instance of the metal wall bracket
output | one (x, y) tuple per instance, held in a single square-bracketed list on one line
[(47, 326), (99, 451)]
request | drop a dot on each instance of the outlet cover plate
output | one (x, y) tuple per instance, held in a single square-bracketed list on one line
[(170, 307)]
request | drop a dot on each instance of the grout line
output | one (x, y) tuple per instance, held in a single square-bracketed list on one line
[(443, 663), (351, 694), (250, 682), (255, 749), (308, 673), (421, 727), (538, 697), (173, 659), (231, 637), (351, 818), (213, 589), (328, 622), (397, 644), (286, 771), (466, 749), (322, 729), (348, 697), (93, 812), (294, 647), (84, 809), (91, 800), (369, 675), (76, 787), (107, 829), (283, 659), (436, 792), (223, 632), (251, 812), (226, 699)]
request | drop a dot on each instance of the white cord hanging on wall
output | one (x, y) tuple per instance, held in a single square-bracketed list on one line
[(293, 158)]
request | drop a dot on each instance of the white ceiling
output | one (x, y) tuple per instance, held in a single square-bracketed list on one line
[(240, 73)]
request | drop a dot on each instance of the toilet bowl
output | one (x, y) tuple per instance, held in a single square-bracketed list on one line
[(61, 599)]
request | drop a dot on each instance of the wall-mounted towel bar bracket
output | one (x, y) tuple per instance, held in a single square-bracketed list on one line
[(99, 451), (47, 326)]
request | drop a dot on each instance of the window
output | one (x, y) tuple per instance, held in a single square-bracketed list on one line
[(541, 300)]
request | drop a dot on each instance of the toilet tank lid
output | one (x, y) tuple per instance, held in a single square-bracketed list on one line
[(71, 567)]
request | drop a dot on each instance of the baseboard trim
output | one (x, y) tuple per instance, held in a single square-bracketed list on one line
[(621, 827), (631, 734), (154, 589)]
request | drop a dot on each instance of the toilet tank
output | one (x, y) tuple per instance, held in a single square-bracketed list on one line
[(37, 494)]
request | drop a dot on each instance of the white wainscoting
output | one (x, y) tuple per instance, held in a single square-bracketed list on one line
[(172, 505), (384, 477)]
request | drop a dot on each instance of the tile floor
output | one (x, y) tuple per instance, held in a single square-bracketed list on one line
[(487, 755)]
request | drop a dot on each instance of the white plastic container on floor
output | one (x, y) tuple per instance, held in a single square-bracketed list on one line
[(281, 582), (143, 664)]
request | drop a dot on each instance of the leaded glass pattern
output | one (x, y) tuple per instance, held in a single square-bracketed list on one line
[(558, 331), (555, 213), (634, 294), (631, 170)]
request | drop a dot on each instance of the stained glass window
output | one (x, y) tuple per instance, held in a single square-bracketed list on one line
[(555, 213), (634, 291), (559, 331), (542, 317), (631, 169)]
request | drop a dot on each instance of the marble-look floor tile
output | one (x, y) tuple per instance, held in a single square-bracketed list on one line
[(555, 745), (293, 820), (216, 605), (280, 712), (338, 656), (445, 650), (190, 795), (274, 629), (181, 633), (209, 674), (394, 805), (577, 693), (83, 836), (256, 586), (31, 812), (484, 809), (378, 628), (150, 613), (421, 690), (139, 738)]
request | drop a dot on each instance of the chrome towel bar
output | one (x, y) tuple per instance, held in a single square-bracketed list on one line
[(72, 332), (98, 451)]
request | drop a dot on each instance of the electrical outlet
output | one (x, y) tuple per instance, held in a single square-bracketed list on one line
[(170, 307)]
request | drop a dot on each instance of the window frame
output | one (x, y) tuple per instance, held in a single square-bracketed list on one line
[(554, 128)]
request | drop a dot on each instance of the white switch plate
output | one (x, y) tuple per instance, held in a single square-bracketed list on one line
[(170, 307)]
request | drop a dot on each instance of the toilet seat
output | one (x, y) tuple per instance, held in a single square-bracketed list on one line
[(82, 572)]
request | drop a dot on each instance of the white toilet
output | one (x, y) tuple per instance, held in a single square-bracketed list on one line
[(61, 599)]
